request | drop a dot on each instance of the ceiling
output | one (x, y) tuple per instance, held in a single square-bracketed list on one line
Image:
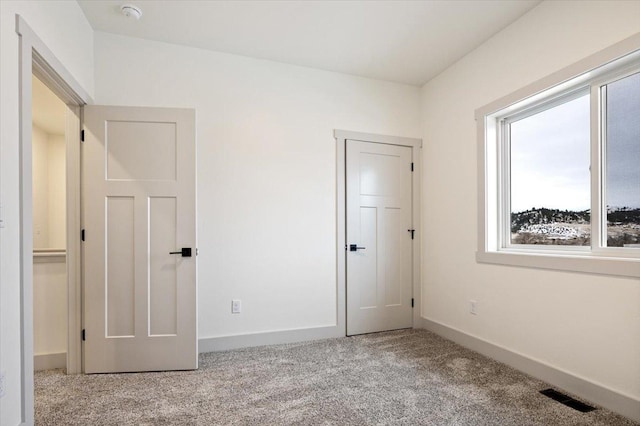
[(48, 111), (402, 41)]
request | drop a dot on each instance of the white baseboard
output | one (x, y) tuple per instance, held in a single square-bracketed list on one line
[(595, 393), (49, 361), (223, 343)]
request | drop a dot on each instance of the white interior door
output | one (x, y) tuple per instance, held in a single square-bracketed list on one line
[(379, 248), (139, 199)]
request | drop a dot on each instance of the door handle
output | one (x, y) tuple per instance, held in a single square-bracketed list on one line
[(354, 247), (185, 252)]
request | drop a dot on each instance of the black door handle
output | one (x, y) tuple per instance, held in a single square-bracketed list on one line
[(354, 247), (185, 252)]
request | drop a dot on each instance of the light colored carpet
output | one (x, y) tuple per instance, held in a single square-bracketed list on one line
[(409, 377)]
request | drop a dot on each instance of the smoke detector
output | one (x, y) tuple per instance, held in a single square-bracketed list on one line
[(131, 11)]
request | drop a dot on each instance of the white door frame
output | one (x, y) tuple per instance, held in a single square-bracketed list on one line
[(36, 59), (341, 137)]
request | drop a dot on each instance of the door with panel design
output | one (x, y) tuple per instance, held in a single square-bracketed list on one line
[(379, 248), (139, 216)]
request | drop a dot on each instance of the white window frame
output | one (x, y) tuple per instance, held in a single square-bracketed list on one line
[(586, 76)]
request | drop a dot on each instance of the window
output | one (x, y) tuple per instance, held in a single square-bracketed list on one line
[(560, 169)]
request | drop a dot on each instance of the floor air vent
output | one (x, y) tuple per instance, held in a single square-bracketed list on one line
[(567, 400)]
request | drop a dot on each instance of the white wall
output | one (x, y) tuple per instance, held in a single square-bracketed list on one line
[(40, 155), (587, 325), (64, 29), (57, 192), (266, 170), (49, 190), (49, 305)]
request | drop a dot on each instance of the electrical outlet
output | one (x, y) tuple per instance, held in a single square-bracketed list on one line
[(2, 380), (473, 307), (236, 306)]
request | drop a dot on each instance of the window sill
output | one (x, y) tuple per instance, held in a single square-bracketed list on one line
[(575, 262)]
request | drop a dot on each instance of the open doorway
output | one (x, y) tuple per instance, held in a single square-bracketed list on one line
[(49, 228), (36, 59)]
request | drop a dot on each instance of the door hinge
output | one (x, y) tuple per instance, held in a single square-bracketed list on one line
[(411, 165), (82, 135), (82, 235), (412, 302), (84, 335), (413, 233)]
